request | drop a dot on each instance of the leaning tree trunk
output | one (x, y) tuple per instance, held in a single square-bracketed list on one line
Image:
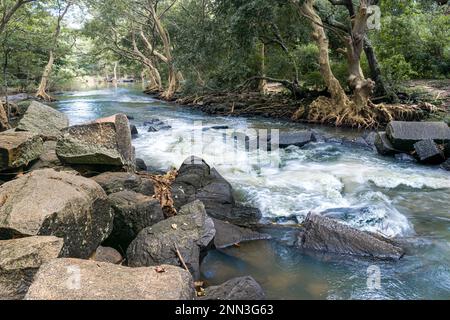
[(172, 82), (263, 81), (42, 89)]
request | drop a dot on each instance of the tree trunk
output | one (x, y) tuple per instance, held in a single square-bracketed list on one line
[(41, 92), (42, 89), (115, 73), (263, 81), (338, 96)]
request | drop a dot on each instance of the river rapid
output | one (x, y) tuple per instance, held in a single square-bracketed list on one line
[(363, 189)]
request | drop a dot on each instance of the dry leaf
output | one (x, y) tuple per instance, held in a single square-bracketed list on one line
[(160, 269), (174, 226), (198, 283)]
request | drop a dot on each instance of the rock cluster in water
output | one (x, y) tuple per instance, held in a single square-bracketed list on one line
[(428, 142), (73, 206)]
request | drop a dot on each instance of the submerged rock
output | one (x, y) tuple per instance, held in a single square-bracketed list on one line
[(19, 261), (18, 149), (383, 145), (113, 182), (242, 288), (189, 232), (74, 279), (405, 157), (330, 236), (106, 142), (196, 180), (299, 138), (43, 120), (228, 234), (107, 254), (140, 165), (446, 165), (134, 131), (404, 134), (47, 202), (428, 152), (132, 213)]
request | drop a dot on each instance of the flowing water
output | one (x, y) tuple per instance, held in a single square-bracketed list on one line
[(367, 191)]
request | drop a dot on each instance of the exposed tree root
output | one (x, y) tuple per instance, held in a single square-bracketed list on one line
[(44, 96), (322, 110), (163, 192)]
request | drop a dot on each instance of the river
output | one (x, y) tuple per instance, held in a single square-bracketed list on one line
[(367, 191)]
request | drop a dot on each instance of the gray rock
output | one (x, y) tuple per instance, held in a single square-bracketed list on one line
[(243, 288), (43, 120), (113, 182), (18, 149), (107, 254), (228, 234), (428, 152), (299, 138), (47, 202), (190, 231), (370, 138), (133, 130), (403, 134), (330, 236), (132, 213), (446, 165), (197, 181), (56, 280), (19, 261), (384, 146), (48, 158), (106, 142), (140, 165)]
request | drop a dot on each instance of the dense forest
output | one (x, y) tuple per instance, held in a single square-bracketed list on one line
[(344, 59)]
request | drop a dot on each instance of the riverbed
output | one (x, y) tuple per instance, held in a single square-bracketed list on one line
[(365, 190)]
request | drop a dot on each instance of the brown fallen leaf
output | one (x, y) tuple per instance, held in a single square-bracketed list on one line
[(160, 269), (199, 283)]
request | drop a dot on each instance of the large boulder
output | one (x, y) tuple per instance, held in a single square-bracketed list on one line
[(105, 142), (404, 134), (196, 180), (43, 120), (428, 152), (19, 261), (228, 234), (47, 202), (132, 213), (330, 236), (189, 233), (74, 279), (242, 288), (18, 149), (383, 145), (113, 182)]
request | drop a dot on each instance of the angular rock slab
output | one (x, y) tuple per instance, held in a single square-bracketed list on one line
[(328, 235), (404, 134), (43, 120), (113, 182), (47, 202), (228, 234), (383, 145), (18, 149), (74, 279), (242, 288), (132, 213), (106, 142), (190, 232), (428, 152), (19, 261), (299, 139)]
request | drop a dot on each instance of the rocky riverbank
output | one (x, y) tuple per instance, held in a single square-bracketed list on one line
[(76, 212)]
